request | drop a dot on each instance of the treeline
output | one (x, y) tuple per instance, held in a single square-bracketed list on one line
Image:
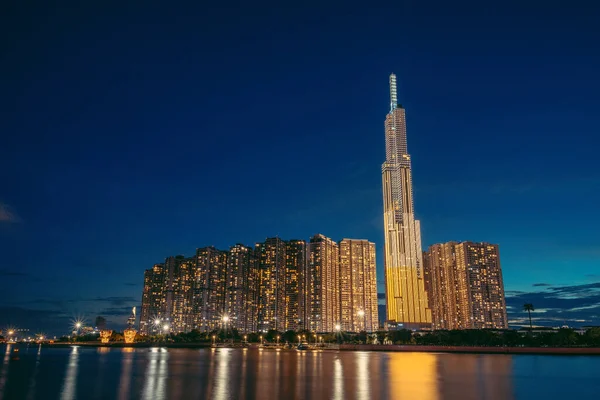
[(508, 338)]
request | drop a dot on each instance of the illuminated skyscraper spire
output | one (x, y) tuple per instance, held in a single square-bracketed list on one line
[(393, 93), (405, 289)]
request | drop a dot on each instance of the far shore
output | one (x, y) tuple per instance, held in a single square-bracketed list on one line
[(362, 347)]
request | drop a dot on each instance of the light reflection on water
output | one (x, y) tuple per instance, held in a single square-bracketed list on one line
[(70, 384), (160, 373)]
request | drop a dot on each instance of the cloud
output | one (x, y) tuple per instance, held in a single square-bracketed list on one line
[(8, 215), (116, 311), (50, 321), (541, 284), (131, 284), (572, 305)]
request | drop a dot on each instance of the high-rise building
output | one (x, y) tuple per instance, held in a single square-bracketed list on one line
[(271, 263), (153, 298), (295, 269), (241, 289), (404, 281), (323, 284), (180, 293), (358, 286), (465, 284), (209, 288)]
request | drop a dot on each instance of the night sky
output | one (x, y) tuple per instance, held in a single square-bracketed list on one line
[(133, 133)]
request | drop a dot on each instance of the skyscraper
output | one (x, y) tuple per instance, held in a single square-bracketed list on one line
[(209, 288), (271, 262), (405, 288), (240, 304), (295, 268), (467, 289), (153, 297), (180, 294), (323, 284), (358, 286)]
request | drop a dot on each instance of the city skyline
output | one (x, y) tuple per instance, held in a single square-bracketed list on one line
[(318, 285), (166, 134)]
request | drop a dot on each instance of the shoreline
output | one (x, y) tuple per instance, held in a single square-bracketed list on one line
[(588, 351), (360, 347)]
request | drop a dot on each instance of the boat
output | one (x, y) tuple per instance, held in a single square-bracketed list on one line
[(303, 346)]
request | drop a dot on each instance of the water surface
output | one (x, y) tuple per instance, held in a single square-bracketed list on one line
[(160, 373)]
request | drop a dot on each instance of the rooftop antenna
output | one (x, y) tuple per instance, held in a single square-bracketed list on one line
[(393, 93)]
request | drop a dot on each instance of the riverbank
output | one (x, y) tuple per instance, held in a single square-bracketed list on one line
[(473, 349), (364, 347)]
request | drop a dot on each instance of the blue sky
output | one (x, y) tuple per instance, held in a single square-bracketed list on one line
[(132, 134)]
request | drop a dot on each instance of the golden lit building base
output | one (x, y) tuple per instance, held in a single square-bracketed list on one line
[(129, 335), (105, 336)]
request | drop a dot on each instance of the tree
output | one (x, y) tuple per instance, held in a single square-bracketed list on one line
[(529, 308)]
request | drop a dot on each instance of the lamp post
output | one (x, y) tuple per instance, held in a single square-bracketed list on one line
[(213, 338), (246, 339), (261, 339), (277, 340), (337, 329)]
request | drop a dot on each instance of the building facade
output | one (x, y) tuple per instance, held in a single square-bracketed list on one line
[(210, 288), (323, 294), (406, 298), (465, 284), (358, 286), (153, 298), (295, 269), (240, 305), (271, 262)]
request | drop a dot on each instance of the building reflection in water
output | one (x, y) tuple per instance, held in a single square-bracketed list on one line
[(156, 374), (476, 376), (32, 380), (4, 370), (69, 389), (412, 376), (338, 380), (125, 379), (222, 379), (363, 377)]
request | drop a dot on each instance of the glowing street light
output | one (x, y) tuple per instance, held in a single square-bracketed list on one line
[(78, 325), (277, 340), (225, 318), (11, 332), (338, 328), (213, 338), (246, 338)]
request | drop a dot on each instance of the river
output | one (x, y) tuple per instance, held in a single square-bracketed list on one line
[(160, 373)]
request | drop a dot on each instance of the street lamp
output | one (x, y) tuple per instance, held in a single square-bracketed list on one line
[(277, 340), (246, 338), (261, 339), (214, 337)]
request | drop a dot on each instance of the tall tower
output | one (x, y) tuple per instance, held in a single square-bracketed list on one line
[(406, 298)]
